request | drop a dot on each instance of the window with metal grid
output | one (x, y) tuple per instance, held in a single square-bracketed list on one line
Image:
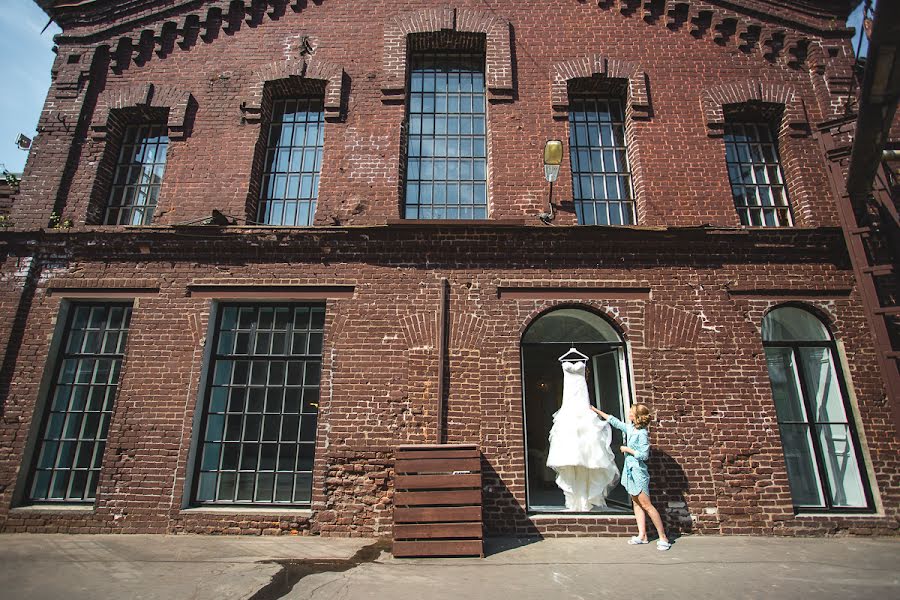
[(601, 177), (446, 168), (138, 175), (73, 434), (754, 168), (261, 405), (290, 183)]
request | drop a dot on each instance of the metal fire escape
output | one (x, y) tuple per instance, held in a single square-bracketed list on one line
[(866, 197)]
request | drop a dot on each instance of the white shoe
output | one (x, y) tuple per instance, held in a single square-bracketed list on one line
[(636, 541)]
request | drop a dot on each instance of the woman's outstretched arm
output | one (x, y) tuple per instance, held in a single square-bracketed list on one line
[(599, 412), (611, 419)]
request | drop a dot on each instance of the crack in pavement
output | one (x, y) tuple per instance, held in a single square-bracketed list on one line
[(293, 570)]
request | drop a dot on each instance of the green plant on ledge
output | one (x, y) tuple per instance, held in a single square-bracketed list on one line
[(12, 181), (5, 221), (59, 223)]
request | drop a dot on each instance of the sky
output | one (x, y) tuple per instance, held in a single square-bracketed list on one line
[(855, 21), (26, 57)]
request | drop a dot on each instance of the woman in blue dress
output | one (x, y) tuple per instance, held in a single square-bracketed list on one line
[(635, 477)]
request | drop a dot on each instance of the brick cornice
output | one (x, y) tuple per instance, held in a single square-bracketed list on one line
[(782, 32), (308, 67), (588, 66), (498, 52), (147, 94), (714, 99)]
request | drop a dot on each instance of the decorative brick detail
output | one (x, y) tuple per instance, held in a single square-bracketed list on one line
[(713, 101), (589, 66), (70, 72), (419, 330), (466, 330), (670, 327), (498, 53), (307, 67), (832, 68), (149, 95), (601, 309)]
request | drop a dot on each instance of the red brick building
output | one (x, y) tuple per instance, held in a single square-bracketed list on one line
[(258, 245)]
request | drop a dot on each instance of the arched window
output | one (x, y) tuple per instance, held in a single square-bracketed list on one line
[(548, 337), (821, 446)]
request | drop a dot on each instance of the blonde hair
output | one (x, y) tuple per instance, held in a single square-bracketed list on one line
[(642, 415)]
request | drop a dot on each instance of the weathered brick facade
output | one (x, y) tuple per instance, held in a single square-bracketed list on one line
[(687, 287)]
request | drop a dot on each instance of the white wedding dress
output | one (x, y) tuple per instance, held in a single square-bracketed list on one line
[(579, 446)]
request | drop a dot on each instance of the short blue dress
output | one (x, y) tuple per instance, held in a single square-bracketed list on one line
[(635, 476)]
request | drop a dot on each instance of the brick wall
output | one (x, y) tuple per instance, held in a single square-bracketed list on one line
[(694, 337)]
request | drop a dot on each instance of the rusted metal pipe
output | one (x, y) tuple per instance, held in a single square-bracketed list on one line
[(442, 357)]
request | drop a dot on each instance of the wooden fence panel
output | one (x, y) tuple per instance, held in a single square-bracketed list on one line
[(437, 501)]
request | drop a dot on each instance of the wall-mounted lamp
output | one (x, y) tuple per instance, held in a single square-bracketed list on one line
[(553, 155), (23, 142)]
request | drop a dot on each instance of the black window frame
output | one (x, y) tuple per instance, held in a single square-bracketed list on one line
[(203, 414), (734, 162), (447, 208), (811, 423), (619, 147), (272, 169), (62, 354), (134, 141)]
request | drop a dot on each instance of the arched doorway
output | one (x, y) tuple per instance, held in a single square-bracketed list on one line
[(548, 337)]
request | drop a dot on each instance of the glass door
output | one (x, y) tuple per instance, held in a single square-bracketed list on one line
[(608, 381)]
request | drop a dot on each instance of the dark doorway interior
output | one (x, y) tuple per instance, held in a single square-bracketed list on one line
[(543, 380)]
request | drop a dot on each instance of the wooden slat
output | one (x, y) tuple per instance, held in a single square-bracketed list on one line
[(437, 497), (435, 447), (437, 530), (414, 454), (440, 514), (419, 482), (438, 548), (439, 465)]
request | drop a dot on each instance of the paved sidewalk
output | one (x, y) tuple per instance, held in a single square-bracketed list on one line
[(40, 567)]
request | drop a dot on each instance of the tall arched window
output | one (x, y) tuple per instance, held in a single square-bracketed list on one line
[(821, 446), (549, 336)]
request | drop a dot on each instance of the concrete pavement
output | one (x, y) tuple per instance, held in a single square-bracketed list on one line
[(146, 567)]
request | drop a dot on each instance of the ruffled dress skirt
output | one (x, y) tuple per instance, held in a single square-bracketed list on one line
[(580, 454)]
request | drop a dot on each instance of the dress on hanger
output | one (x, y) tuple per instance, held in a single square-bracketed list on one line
[(579, 445)]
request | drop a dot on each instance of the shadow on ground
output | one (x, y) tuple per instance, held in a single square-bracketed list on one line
[(498, 545), (292, 571)]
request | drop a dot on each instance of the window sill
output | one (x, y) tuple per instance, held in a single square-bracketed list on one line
[(546, 516), (41, 508), (457, 222), (840, 515), (246, 510)]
